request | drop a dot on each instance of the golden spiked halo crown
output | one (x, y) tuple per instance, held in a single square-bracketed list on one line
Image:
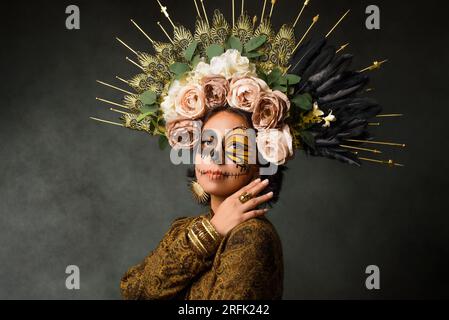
[(314, 75)]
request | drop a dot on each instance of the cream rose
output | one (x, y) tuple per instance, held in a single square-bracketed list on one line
[(168, 104), (275, 146), (270, 110), (183, 133), (215, 89), (231, 63), (190, 102), (244, 92)]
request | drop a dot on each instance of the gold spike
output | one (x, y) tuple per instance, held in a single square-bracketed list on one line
[(233, 13), (122, 80), (143, 32), (114, 87), (374, 124), (273, 2), (377, 142), (126, 46), (197, 9), (361, 149), (314, 20), (300, 13), (388, 162), (243, 5), (338, 22), (118, 111), (205, 14), (343, 47), (369, 89), (160, 25), (389, 115), (254, 21), (165, 12), (374, 66), (136, 64), (113, 103), (263, 10), (106, 121)]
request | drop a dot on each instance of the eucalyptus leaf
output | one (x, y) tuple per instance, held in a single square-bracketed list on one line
[(255, 43), (148, 97), (147, 108), (163, 142), (190, 51), (179, 68), (196, 59), (252, 55), (214, 50), (303, 101), (234, 43), (273, 77), (290, 79)]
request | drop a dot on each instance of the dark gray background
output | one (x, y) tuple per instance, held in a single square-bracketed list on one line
[(73, 191)]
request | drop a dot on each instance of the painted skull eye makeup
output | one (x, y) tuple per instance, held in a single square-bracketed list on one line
[(237, 146)]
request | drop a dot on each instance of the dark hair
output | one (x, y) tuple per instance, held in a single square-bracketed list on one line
[(275, 180)]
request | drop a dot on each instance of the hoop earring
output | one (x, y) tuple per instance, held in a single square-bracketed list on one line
[(198, 192)]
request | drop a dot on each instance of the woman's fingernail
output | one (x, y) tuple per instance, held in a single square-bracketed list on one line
[(270, 194), (266, 181), (265, 210)]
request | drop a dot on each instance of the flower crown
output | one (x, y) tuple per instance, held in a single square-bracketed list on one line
[(302, 94)]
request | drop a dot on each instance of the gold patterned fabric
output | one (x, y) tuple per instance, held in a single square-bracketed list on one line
[(247, 265)]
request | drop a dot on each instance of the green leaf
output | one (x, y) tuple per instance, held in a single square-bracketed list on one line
[(190, 51), (149, 108), (303, 101), (262, 75), (280, 88), (252, 55), (179, 68), (146, 110), (234, 43), (214, 50), (163, 142), (308, 139), (148, 97), (196, 59), (273, 77), (290, 79), (255, 43)]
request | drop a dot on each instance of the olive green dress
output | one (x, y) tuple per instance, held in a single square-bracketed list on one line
[(248, 264)]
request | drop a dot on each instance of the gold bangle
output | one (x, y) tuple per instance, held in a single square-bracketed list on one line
[(211, 230), (196, 242)]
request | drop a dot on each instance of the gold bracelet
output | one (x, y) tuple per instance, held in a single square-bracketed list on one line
[(211, 230), (204, 236), (195, 241)]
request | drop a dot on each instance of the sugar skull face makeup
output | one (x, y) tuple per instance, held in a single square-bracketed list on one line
[(226, 159)]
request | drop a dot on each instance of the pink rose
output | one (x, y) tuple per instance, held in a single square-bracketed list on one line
[(276, 146), (271, 110), (183, 133), (244, 92), (215, 89), (190, 102)]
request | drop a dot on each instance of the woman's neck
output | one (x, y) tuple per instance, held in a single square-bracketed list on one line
[(215, 202)]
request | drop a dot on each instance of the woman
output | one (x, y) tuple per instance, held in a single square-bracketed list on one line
[(233, 251)]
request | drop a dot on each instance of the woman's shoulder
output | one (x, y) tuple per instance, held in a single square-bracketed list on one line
[(257, 231)]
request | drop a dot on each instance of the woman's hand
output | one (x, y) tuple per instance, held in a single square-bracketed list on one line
[(232, 212)]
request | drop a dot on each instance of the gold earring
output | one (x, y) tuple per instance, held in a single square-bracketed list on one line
[(198, 192)]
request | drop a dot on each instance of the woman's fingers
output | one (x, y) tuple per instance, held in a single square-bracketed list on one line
[(254, 202), (255, 190), (254, 213), (247, 187)]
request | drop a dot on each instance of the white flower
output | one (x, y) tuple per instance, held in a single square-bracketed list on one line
[(231, 63), (201, 70), (317, 112), (330, 118), (168, 104)]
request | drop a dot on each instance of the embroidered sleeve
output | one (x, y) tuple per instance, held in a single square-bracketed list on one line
[(170, 268)]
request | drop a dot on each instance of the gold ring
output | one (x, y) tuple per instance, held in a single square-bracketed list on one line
[(245, 196)]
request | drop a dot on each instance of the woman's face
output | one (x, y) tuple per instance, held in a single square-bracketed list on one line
[(217, 174)]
